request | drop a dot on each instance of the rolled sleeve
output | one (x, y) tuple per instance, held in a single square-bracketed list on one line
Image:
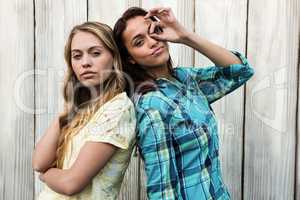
[(217, 81)]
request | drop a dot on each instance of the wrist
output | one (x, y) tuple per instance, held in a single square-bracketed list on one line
[(182, 33), (187, 38)]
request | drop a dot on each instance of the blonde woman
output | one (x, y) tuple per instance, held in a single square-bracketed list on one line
[(86, 150)]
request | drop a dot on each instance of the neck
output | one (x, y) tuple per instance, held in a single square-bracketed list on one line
[(160, 72), (95, 91)]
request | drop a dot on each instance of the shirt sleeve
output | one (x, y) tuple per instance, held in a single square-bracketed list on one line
[(158, 154), (216, 81), (114, 124)]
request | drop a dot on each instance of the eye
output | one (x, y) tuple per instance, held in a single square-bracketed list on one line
[(138, 43), (76, 56), (96, 53), (158, 30)]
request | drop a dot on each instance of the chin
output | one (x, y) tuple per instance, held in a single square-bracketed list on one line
[(162, 60), (89, 83)]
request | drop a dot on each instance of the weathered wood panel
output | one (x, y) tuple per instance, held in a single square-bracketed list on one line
[(271, 100), (186, 16), (294, 22), (224, 23), (17, 99), (33, 38), (100, 10), (54, 21)]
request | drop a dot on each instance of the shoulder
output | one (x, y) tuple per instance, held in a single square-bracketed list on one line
[(114, 122), (117, 111), (119, 101), (117, 104)]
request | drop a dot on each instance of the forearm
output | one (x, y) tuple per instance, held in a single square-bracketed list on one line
[(58, 180), (217, 54), (45, 151)]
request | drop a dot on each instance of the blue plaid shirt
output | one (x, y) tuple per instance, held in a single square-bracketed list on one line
[(177, 132)]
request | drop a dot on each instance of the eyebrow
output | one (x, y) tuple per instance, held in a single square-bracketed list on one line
[(140, 35), (91, 48)]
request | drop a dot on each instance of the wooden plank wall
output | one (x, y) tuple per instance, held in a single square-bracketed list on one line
[(271, 101), (224, 22), (258, 123), (17, 105)]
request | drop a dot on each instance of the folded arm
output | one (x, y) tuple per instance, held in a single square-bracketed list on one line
[(44, 153), (92, 157)]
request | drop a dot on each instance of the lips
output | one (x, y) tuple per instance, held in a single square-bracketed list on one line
[(157, 51), (87, 74)]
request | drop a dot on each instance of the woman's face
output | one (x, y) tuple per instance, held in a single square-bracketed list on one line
[(91, 61), (143, 49)]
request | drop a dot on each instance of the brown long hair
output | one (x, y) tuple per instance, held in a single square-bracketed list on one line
[(79, 103), (142, 80)]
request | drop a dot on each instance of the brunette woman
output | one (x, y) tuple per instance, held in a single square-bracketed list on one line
[(177, 129)]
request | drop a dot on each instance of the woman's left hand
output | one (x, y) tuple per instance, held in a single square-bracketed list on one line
[(167, 28)]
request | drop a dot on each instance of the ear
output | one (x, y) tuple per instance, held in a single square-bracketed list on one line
[(131, 60)]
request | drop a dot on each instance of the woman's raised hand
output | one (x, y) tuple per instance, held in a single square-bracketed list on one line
[(167, 28)]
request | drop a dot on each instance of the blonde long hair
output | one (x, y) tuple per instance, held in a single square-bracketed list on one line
[(79, 106)]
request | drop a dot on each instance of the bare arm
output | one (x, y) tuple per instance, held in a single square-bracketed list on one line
[(44, 153), (173, 31), (92, 157), (217, 54)]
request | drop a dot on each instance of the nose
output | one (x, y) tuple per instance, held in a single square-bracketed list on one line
[(86, 61), (152, 42)]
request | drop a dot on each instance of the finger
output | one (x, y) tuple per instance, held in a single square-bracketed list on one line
[(153, 18), (164, 11), (149, 14), (153, 27), (157, 11), (158, 37)]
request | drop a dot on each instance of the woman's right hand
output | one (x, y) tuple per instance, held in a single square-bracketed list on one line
[(167, 28)]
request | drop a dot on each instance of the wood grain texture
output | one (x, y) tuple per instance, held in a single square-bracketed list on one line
[(54, 21), (100, 10), (17, 99), (224, 23), (271, 100), (297, 180), (32, 67), (295, 39), (186, 16)]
